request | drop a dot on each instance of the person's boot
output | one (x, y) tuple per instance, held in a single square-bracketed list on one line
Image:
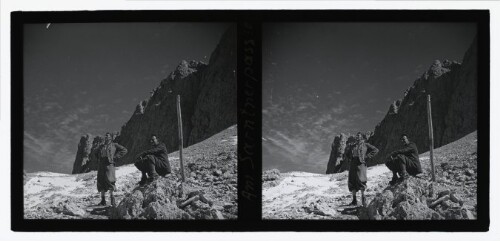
[(152, 173), (354, 202), (103, 201), (112, 198), (144, 179), (404, 176), (395, 178)]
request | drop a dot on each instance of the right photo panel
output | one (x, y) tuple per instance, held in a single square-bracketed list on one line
[(369, 120)]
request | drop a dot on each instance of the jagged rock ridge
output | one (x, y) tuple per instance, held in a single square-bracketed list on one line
[(453, 90), (208, 103)]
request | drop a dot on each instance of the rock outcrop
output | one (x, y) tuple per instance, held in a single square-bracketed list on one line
[(166, 199), (208, 103), (417, 199), (271, 178), (453, 90), (82, 159)]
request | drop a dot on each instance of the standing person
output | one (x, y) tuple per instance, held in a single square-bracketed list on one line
[(153, 162), (358, 154), (404, 161), (107, 154)]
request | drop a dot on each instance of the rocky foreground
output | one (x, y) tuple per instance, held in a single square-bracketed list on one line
[(210, 190), (300, 195)]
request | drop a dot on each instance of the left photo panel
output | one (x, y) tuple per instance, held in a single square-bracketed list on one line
[(130, 120)]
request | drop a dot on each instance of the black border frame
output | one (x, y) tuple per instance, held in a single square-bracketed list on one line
[(249, 74)]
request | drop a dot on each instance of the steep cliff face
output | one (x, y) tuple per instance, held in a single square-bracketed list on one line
[(453, 90), (216, 105), (208, 103), (83, 154)]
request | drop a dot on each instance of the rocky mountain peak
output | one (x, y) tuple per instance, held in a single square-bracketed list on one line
[(186, 68), (439, 68)]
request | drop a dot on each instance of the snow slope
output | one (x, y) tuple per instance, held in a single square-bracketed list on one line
[(297, 192)]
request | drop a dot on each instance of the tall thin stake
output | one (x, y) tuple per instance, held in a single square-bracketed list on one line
[(431, 137), (179, 120)]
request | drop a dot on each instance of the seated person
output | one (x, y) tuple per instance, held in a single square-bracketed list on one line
[(404, 161), (153, 162)]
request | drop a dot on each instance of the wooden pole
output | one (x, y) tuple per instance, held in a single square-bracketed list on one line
[(431, 137), (181, 141)]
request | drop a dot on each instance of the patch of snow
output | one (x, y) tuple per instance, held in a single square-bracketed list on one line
[(376, 171), (62, 186), (298, 189), (125, 170), (59, 185), (298, 185), (49, 174)]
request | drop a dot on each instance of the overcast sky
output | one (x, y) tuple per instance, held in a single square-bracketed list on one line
[(89, 77), (321, 79)]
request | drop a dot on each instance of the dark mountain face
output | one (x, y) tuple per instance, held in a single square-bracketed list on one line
[(453, 90), (208, 103)]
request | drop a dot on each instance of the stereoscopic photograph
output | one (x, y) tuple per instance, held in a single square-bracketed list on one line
[(370, 121), (130, 120)]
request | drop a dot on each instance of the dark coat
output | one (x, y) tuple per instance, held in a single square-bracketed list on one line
[(365, 152), (106, 170), (410, 151), (357, 165), (115, 152), (159, 151), (158, 155)]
